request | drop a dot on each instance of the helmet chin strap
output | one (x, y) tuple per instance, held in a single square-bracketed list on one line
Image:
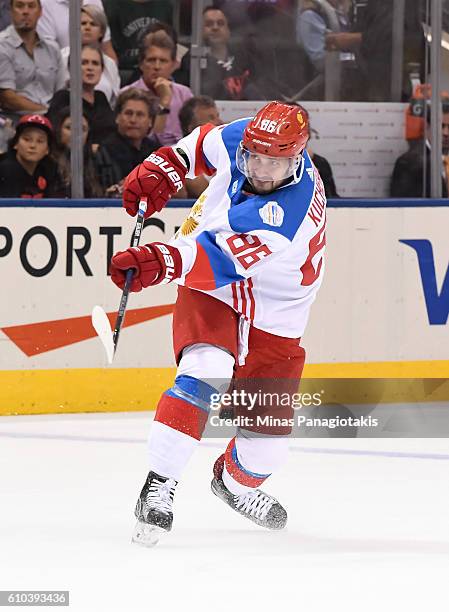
[(298, 171)]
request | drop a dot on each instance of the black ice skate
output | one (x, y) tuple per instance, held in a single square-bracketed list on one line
[(256, 505), (154, 509)]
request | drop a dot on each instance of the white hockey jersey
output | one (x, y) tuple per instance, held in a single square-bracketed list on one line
[(260, 254)]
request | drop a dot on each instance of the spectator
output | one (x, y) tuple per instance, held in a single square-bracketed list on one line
[(61, 153), (157, 26), (265, 15), (375, 47), (320, 162), (195, 112), (157, 61), (314, 22), (325, 171), (181, 50), (54, 23), (198, 111), (95, 104), (7, 131), (31, 67), (5, 15), (267, 28), (408, 180), (26, 169), (226, 70), (129, 145), (128, 20), (315, 19), (93, 28)]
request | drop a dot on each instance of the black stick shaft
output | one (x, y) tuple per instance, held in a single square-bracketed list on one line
[(129, 275)]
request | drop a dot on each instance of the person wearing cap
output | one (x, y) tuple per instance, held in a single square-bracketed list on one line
[(26, 169)]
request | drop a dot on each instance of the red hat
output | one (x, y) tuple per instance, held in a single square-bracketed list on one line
[(278, 130), (37, 121)]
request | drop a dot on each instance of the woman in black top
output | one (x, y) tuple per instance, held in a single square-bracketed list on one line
[(61, 153), (26, 169), (95, 104)]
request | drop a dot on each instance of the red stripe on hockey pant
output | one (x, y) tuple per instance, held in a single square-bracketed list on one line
[(252, 301), (243, 296), (181, 415), (235, 301), (238, 472)]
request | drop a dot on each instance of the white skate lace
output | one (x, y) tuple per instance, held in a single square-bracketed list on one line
[(255, 503), (160, 495)]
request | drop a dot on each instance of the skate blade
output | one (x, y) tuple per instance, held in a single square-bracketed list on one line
[(147, 535)]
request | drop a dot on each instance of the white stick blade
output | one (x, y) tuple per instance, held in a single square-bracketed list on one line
[(102, 326)]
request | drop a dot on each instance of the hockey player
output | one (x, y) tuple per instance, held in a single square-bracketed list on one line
[(248, 261)]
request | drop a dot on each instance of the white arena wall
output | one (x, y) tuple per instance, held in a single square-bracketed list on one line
[(382, 311), (360, 140)]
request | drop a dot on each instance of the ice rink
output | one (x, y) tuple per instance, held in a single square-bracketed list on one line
[(368, 524)]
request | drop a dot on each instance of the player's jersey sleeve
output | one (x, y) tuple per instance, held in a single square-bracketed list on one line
[(212, 148), (200, 148)]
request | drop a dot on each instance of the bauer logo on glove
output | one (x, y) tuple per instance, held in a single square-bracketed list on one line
[(158, 178), (153, 264), (168, 168)]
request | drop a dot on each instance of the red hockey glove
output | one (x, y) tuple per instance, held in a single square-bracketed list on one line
[(158, 177), (153, 264)]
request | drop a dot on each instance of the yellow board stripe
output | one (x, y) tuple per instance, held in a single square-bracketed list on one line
[(134, 389), (379, 369), (82, 390)]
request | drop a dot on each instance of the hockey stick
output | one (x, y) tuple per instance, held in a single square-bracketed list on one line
[(100, 319)]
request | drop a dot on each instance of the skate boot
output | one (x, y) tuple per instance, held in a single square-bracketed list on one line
[(154, 509), (257, 506)]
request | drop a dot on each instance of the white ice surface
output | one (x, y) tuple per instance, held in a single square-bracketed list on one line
[(367, 532)]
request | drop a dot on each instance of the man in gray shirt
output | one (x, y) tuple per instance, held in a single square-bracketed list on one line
[(31, 68)]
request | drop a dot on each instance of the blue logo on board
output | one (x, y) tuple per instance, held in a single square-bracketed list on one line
[(437, 301)]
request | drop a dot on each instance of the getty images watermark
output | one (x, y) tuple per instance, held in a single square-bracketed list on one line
[(245, 401)]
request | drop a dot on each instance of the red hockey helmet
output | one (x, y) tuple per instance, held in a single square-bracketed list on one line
[(278, 130), (272, 144)]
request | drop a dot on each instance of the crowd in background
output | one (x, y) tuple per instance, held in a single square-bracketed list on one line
[(135, 66)]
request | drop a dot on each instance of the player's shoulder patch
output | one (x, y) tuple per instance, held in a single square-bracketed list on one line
[(281, 211), (272, 213)]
